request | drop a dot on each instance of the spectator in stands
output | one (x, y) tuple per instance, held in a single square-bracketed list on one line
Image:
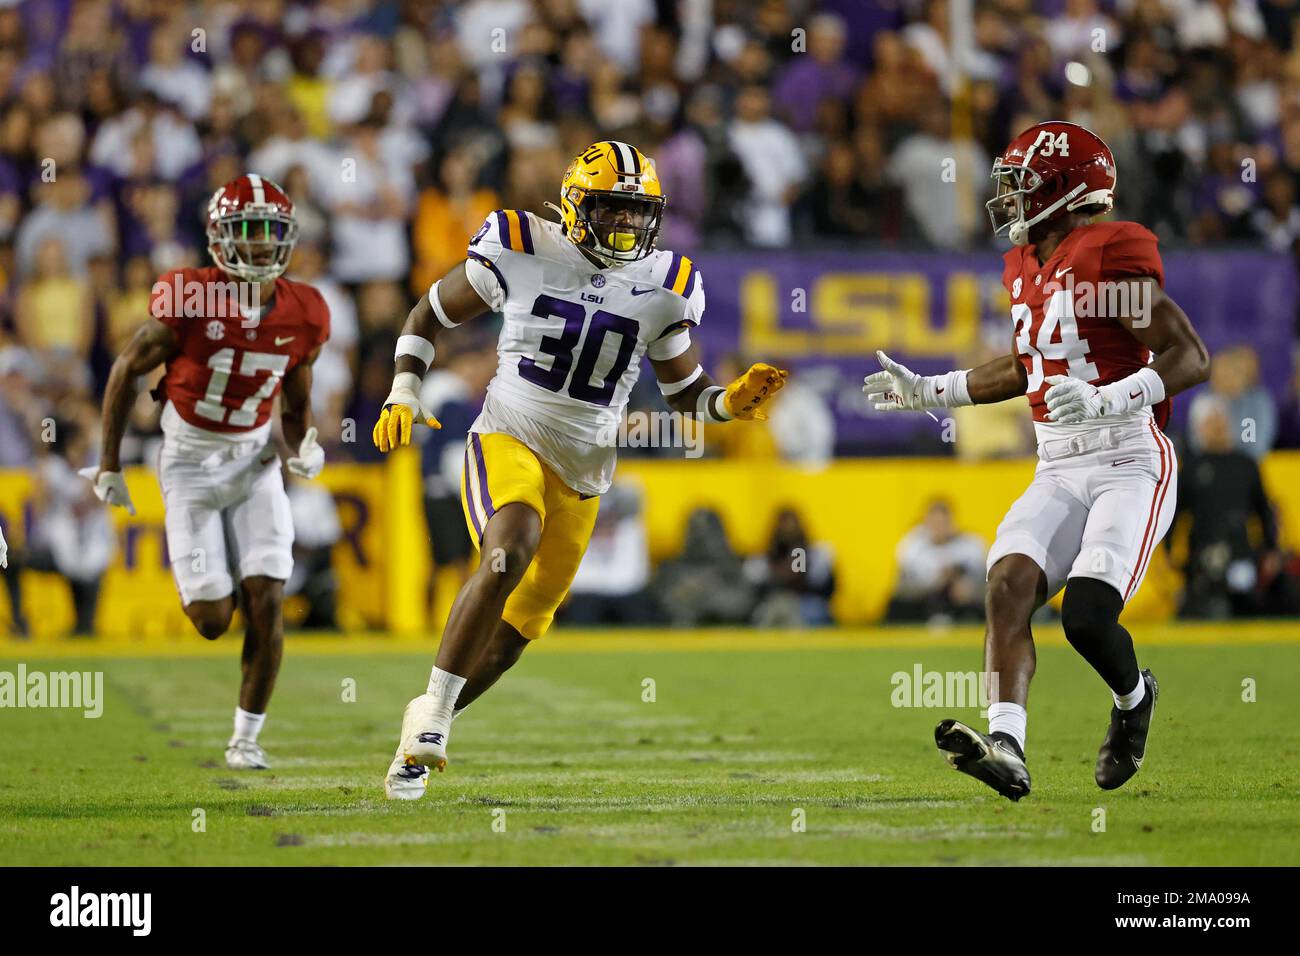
[(448, 215), (1229, 571), (794, 579), (370, 201), (54, 311), (64, 212), (940, 572), (1277, 220), (824, 74), (316, 529), (611, 587), (454, 394), (333, 371), (705, 583), (1252, 414), (803, 425), (773, 163), (71, 533), (929, 166)]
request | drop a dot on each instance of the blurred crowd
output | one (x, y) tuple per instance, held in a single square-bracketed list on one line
[(397, 125)]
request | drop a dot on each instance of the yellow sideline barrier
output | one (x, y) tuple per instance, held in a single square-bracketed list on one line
[(860, 507)]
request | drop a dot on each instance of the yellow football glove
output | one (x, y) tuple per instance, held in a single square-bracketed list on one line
[(402, 410), (746, 396)]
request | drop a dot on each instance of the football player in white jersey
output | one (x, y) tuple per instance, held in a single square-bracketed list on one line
[(583, 300)]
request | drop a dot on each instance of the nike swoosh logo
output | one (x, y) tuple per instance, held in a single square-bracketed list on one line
[(1135, 395), (939, 390), (1122, 461), (636, 291), (1061, 272), (281, 341)]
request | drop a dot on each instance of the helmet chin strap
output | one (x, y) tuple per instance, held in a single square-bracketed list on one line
[(1019, 231)]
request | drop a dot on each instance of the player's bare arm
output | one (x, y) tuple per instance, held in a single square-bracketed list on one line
[(1181, 362), (690, 390), (999, 380), (151, 346), (457, 302), (295, 420)]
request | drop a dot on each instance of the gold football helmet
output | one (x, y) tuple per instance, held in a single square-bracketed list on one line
[(611, 204)]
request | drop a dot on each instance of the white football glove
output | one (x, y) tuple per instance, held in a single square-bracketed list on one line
[(1072, 400), (896, 388), (110, 487), (310, 459), (4, 551)]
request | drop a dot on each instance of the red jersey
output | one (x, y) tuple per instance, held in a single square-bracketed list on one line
[(1065, 311), (229, 368)]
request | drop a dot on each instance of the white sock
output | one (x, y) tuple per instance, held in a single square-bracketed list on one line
[(1132, 698), (445, 686), (1008, 718), (247, 725)]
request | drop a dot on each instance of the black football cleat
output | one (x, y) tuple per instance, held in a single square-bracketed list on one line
[(988, 759), (1125, 745)]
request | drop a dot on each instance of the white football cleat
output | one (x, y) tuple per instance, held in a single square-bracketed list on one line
[(426, 725), (242, 754), (405, 781)]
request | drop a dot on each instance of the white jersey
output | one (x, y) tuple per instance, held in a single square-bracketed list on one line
[(571, 345)]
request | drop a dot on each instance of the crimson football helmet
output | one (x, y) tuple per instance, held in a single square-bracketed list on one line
[(1049, 169), (251, 229)]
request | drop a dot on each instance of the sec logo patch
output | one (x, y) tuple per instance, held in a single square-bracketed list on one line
[(598, 280), (1015, 287), (215, 330)]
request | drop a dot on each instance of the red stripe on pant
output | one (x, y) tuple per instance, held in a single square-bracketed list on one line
[(1157, 502)]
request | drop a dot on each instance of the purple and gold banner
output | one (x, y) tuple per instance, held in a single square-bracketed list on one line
[(825, 314)]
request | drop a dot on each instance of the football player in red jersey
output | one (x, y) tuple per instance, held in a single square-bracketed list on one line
[(233, 336), (1099, 348)]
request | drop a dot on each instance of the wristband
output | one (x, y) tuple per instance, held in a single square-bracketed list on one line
[(945, 391), (404, 382), (1143, 387), (416, 346), (704, 407)]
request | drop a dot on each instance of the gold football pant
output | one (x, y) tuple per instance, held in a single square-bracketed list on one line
[(500, 469)]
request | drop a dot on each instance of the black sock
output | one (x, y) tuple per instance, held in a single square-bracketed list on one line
[(1090, 616)]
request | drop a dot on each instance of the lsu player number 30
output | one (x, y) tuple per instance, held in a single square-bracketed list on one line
[(1099, 349), (583, 300)]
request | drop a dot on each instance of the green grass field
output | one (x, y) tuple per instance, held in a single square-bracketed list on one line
[(743, 733)]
